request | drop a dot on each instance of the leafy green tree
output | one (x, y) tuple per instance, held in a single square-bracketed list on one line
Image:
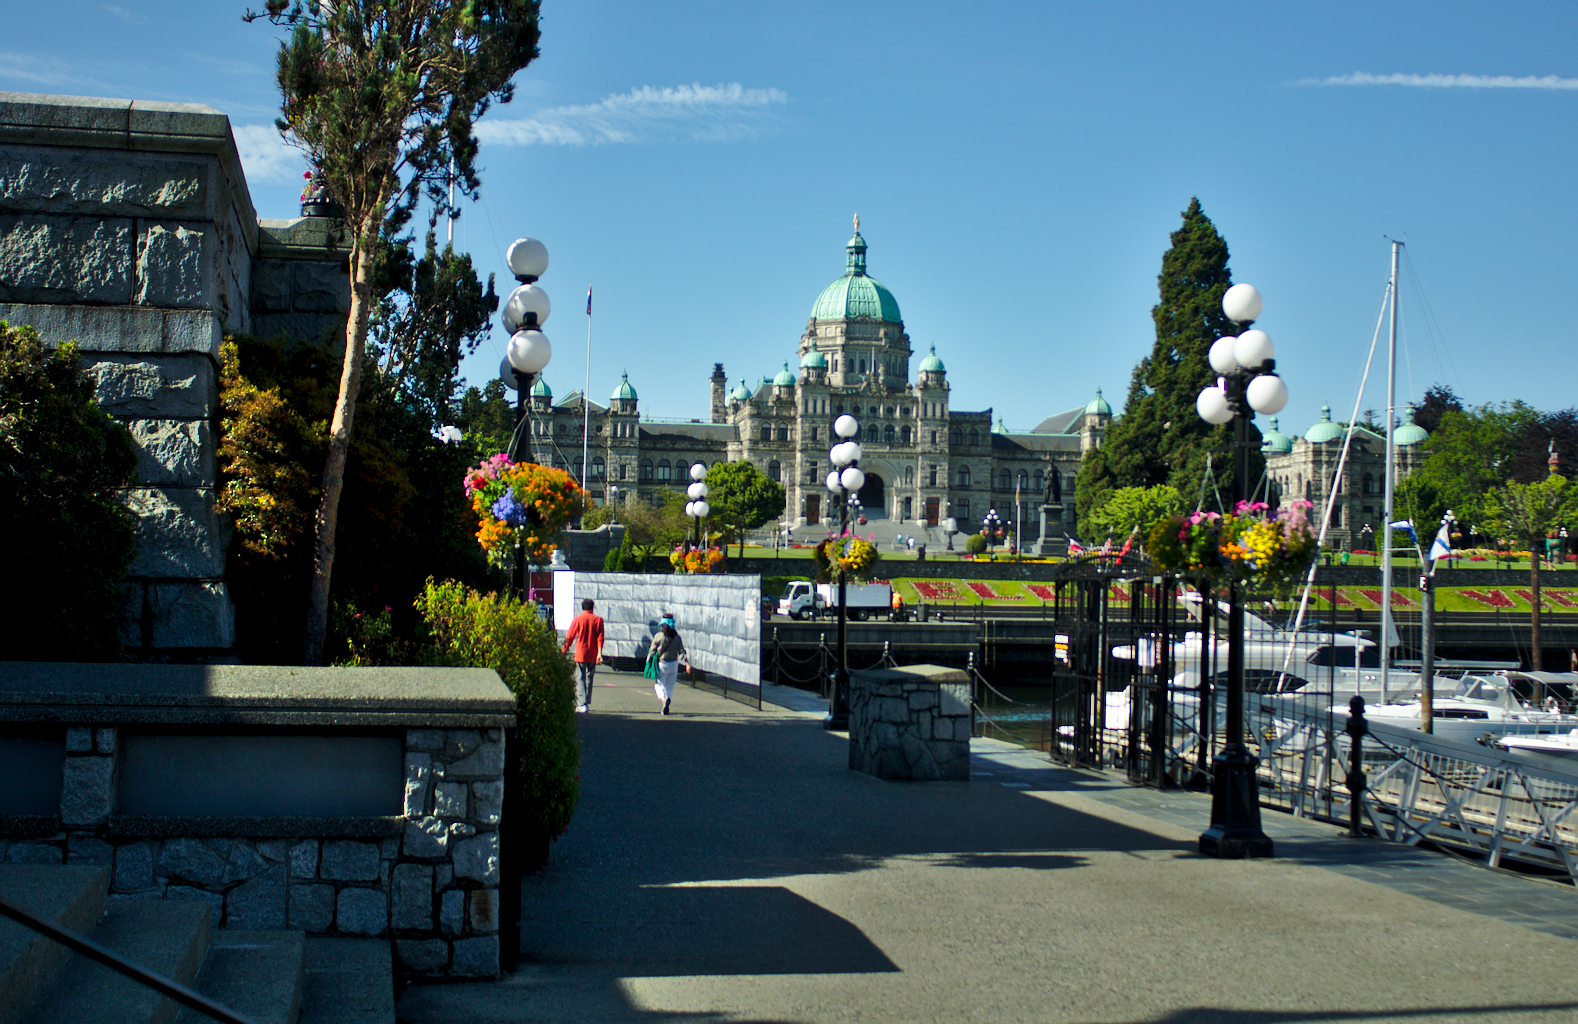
[(432, 312), (383, 96), (975, 544), (742, 498), (1465, 459), (654, 529), (69, 536), (1131, 509), (1529, 513), (1160, 438), (1439, 399), (487, 417)]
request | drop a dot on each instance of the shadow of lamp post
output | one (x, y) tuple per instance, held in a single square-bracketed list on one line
[(1248, 384)]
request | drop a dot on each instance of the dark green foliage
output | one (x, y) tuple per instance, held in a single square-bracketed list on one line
[(624, 558), (1438, 401), (487, 417), (68, 535), (975, 544), (742, 498), (1160, 438)]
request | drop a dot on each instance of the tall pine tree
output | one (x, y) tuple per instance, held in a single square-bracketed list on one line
[(1160, 438)]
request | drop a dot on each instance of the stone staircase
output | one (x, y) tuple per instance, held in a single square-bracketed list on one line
[(270, 977)]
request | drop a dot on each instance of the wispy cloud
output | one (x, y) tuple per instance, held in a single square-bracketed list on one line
[(124, 15), (700, 113), (265, 156), (34, 71), (1448, 81)]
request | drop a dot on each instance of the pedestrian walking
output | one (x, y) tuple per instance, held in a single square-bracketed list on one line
[(667, 650), (586, 633)]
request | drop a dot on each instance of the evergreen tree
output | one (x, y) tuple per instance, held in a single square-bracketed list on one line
[(1160, 438), (383, 96)]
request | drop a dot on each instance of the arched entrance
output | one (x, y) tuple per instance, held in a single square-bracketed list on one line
[(874, 497)]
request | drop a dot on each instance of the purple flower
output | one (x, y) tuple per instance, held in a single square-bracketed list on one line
[(509, 511)]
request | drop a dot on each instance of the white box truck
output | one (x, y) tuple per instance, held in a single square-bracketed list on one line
[(801, 601)]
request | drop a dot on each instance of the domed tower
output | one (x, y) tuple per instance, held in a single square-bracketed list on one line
[(1093, 422), (623, 400), (541, 396), (857, 325), (931, 371), (783, 384), (813, 365)]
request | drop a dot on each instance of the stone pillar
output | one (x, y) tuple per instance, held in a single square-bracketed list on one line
[(910, 723)]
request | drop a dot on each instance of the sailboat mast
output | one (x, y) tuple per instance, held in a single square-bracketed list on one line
[(1391, 488)]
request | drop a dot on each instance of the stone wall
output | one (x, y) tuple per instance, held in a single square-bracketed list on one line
[(127, 226), (910, 723)]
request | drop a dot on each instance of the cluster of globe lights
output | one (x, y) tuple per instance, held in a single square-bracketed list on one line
[(1249, 351), (525, 311), (697, 507), (847, 477)]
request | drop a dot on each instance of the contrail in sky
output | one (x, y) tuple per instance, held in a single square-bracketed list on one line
[(1448, 81), (701, 113)]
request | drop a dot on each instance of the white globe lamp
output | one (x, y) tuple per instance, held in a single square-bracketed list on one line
[(852, 479), (528, 298), (1212, 406), (698, 472), (528, 259), (529, 351), (1221, 355), (832, 481), (846, 426), (1241, 302), (1267, 393), (1253, 348), (507, 373), (702, 509)]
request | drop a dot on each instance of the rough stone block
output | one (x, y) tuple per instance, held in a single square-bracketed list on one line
[(444, 877), (62, 259), (175, 266), (34, 853), (483, 910), (424, 739), (452, 912), (192, 860), (487, 802), (329, 327), (103, 184), (426, 837), (320, 287), (346, 860), (133, 867), (104, 740), (79, 740), (242, 860), (304, 859), (193, 330), (158, 387), (87, 791), (892, 709), (921, 699), (418, 776), (423, 956), (485, 762), (476, 958), (131, 615), (215, 901), (362, 912), (271, 286), (274, 851), (461, 830), (413, 897), (450, 801), (311, 908), (460, 742), (260, 903), (177, 533), (197, 614), (87, 850), (961, 730), (942, 728), (176, 453), (477, 859)]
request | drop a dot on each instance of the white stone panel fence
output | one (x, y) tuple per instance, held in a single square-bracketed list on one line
[(719, 617)]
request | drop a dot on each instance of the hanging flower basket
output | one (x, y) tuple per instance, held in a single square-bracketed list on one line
[(519, 505), (853, 555), (693, 561), (1251, 546)]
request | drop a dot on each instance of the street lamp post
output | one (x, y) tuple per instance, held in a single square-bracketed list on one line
[(697, 508), (613, 503), (845, 481), (950, 526), (529, 351), (989, 526), (1248, 384)]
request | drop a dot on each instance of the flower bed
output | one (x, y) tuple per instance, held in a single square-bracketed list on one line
[(938, 591), (1493, 598), (990, 593), (1044, 593), (1563, 599), (1399, 599)]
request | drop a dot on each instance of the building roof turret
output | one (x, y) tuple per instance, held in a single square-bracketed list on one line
[(813, 360), (931, 364), (624, 390), (742, 393), (785, 378), (1410, 433), (1098, 406), (541, 388), (856, 294), (1274, 441), (1325, 430)]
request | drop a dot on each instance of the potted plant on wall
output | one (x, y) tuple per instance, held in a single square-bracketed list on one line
[(315, 199)]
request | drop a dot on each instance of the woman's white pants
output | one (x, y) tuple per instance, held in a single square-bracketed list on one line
[(668, 673)]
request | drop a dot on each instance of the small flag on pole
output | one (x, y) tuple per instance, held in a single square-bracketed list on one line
[(1441, 547), (588, 300), (1127, 543), (1075, 547), (1407, 524)]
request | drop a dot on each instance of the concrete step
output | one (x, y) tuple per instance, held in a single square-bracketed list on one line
[(349, 981), (260, 975), (169, 937), (71, 897)]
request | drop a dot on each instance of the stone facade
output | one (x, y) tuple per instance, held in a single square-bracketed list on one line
[(910, 723), (127, 227), (924, 460)]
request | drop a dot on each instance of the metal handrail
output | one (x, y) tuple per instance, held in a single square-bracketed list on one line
[(93, 951)]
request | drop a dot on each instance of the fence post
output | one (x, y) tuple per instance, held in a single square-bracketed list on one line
[(777, 659), (821, 663), (1356, 729)]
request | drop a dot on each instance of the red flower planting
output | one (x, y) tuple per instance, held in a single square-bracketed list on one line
[(1044, 593), (937, 591), (1494, 598), (986, 591), (1565, 600)]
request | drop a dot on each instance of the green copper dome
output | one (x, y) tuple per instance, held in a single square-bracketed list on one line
[(1098, 406), (1324, 431), (785, 378), (1274, 441), (624, 390), (541, 389), (931, 364), (1410, 433), (741, 393), (813, 359), (855, 294)]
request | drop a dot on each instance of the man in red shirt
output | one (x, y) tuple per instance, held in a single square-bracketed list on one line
[(586, 632)]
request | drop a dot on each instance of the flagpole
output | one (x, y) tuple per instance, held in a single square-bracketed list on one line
[(586, 393)]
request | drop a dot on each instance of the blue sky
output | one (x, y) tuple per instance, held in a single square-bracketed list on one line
[(1017, 168)]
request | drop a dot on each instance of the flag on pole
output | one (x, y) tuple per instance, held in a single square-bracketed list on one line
[(1407, 524), (1441, 547), (1128, 542), (1075, 547), (588, 300), (1106, 548)]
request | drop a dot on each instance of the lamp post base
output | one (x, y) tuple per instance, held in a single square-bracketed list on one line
[(837, 717), (1235, 831)]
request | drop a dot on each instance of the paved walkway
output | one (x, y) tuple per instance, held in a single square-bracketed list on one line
[(725, 865)]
